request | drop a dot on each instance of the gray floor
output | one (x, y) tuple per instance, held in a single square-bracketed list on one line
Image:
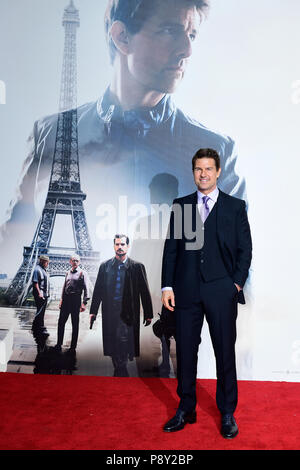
[(30, 355)]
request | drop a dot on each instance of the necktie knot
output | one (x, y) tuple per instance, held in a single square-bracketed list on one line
[(205, 210), (205, 199)]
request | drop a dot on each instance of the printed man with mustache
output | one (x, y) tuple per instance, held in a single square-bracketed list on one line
[(120, 286)]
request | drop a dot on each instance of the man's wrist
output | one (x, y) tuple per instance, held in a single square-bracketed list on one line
[(238, 286)]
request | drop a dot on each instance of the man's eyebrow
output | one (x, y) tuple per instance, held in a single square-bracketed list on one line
[(205, 168), (166, 24)]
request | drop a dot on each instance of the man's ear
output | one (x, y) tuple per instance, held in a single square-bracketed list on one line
[(119, 35)]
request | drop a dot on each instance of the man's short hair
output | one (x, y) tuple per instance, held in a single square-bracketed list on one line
[(44, 258), (207, 153), (121, 235), (133, 14), (75, 256)]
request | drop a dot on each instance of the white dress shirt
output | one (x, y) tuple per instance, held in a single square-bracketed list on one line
[(213, 196)]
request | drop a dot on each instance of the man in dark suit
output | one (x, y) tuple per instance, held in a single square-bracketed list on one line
[(206, 277), (121, 284)]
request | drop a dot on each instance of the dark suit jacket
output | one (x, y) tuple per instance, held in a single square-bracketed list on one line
[(180, 267), (135, 289)]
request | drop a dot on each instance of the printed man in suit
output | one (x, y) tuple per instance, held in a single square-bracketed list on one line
[(206, 279), (72, 302), (40, 290), (121, 285)]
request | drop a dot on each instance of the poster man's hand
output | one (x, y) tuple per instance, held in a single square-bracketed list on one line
[(92, 319), (168, 299)]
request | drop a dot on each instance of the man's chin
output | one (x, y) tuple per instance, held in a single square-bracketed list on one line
[(203, 188), (173, 86), (169, 86)]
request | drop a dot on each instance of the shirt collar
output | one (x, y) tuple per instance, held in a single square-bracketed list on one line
[(75, 270), (125, 262), (140, 119), (213, 195)]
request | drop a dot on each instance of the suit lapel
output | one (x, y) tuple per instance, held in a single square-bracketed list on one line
[(190, 229), (195, 212), (110, 274), (225, 224), (222, 220)]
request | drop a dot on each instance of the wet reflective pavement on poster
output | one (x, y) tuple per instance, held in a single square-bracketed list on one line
[(36, 355)]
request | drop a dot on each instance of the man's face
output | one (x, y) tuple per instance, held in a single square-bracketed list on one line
[(159, 52), (45, 263), (74, 262), (120, 247), (206, 174)]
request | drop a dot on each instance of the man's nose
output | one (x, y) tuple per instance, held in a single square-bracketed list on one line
[(184, 46)]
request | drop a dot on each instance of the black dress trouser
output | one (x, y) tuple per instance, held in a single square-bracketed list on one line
[(41, 304), (218, 302), (70, 306)]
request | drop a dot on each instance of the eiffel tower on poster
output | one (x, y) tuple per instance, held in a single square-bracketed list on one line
[(64, 193)]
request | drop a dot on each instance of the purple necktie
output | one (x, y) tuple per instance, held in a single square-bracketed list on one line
[(205, 211)]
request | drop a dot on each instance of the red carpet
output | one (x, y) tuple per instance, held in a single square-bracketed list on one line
[(60, 412)]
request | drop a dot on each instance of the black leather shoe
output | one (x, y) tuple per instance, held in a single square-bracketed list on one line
[(179, 421), (57, 349), (71, 352), (229, 427)]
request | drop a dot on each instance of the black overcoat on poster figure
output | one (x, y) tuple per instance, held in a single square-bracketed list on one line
[(136, 292)]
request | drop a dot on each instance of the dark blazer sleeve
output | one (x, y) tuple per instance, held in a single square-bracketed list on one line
[(98, 291), (244, 247), (145, 293), (170, 253)]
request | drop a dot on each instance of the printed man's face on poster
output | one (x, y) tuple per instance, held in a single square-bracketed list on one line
[(156, 56)]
